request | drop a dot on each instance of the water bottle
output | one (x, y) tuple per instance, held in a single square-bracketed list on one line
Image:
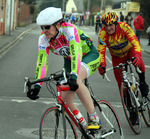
[(133, 88), (80, 117)]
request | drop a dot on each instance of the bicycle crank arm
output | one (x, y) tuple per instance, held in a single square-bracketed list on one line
[(105, 134)]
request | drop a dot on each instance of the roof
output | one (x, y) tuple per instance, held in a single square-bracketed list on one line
[(118, 1), (79, 5)]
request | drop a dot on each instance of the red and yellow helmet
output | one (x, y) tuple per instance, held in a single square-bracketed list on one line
[(109, 18)]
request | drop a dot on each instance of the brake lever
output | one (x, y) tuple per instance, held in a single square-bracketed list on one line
[(105, 76), (138, 70), (25, 84), (64, 74)]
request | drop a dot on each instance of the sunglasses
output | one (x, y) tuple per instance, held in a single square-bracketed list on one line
[(46, 27)]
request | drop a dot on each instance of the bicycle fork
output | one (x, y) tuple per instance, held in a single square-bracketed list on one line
[(132, 95)]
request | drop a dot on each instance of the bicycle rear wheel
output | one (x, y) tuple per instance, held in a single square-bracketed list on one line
[(54, 126), (146, 111), (131, 111), (111, 126)]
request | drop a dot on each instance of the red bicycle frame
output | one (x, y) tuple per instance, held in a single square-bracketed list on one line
[(64, 105)]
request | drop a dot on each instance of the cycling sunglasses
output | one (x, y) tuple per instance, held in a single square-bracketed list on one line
[(46, 27)]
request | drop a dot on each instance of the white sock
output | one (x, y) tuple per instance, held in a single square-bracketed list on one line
[(94, 116)]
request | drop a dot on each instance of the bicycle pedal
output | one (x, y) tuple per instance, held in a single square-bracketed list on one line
[(103, 131), (91, 136), (141, 109), (96, 134), (93, 131)]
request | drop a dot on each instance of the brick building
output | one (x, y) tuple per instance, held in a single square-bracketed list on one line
[(24, 16), (13, 13), (2, 16)]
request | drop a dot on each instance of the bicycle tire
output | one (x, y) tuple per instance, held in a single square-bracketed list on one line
[(52, 125), (136, 125), (146, 111), (97, 31), (106, 111)]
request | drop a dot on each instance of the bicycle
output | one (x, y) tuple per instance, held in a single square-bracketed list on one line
[(59, 122), (134, 104), (97, 27)]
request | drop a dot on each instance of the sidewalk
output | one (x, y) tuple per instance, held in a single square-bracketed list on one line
[(144, 46), (7, 40)]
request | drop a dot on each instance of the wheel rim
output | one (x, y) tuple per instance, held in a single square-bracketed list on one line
[(135, 126), (50, 129), (146, 111)]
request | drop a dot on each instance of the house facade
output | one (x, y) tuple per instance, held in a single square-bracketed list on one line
[(13, 13), (124, 7), (73, 6)]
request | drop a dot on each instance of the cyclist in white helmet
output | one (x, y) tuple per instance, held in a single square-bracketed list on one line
[(81, 58)]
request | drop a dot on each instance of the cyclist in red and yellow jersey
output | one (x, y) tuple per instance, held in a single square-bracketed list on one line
[(123, 45)]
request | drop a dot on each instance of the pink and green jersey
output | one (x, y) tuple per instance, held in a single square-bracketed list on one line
[(71, 43)]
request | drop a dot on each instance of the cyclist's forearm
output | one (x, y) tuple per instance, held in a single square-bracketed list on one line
[(76, 57), (42, 67), (102, 51)]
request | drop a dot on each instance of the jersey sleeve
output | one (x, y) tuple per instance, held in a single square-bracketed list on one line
[(42, 60), (102, 46), (76, 56), (72, 34), (131, 37)]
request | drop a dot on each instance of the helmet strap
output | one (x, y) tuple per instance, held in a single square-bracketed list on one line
[(116, 26), (60, 21), (56, 30)]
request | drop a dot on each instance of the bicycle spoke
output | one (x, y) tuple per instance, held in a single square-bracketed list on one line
[(111, 126), (52, 126), (146, 111)]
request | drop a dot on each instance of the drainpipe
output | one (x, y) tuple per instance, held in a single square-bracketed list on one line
[(10, 21), (88, 10)]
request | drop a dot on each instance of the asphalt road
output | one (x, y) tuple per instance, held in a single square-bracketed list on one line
[(20, 117)]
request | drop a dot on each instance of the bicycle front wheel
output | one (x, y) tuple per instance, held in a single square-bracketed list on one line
[(131, 111), (56, 125), (111, 126), (146, 111)]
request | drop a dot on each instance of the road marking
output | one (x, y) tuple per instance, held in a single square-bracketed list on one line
[(46, 101), (146, 66), (29, 132), (108, 60)]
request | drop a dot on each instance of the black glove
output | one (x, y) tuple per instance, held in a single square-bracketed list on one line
[(33, 93), (73, 83)]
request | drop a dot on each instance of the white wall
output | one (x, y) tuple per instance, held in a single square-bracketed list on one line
[(70, 4), (9, 10)]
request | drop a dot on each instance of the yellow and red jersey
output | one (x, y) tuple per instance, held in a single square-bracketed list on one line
[(119, 43)]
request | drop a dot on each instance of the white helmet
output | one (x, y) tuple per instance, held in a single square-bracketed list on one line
[(49, 16)]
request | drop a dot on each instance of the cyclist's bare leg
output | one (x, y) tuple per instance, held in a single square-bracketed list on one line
[(68, 97), (82, 92)]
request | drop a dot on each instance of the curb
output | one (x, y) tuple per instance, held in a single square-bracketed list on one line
[(146, 51), (2, 50)]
